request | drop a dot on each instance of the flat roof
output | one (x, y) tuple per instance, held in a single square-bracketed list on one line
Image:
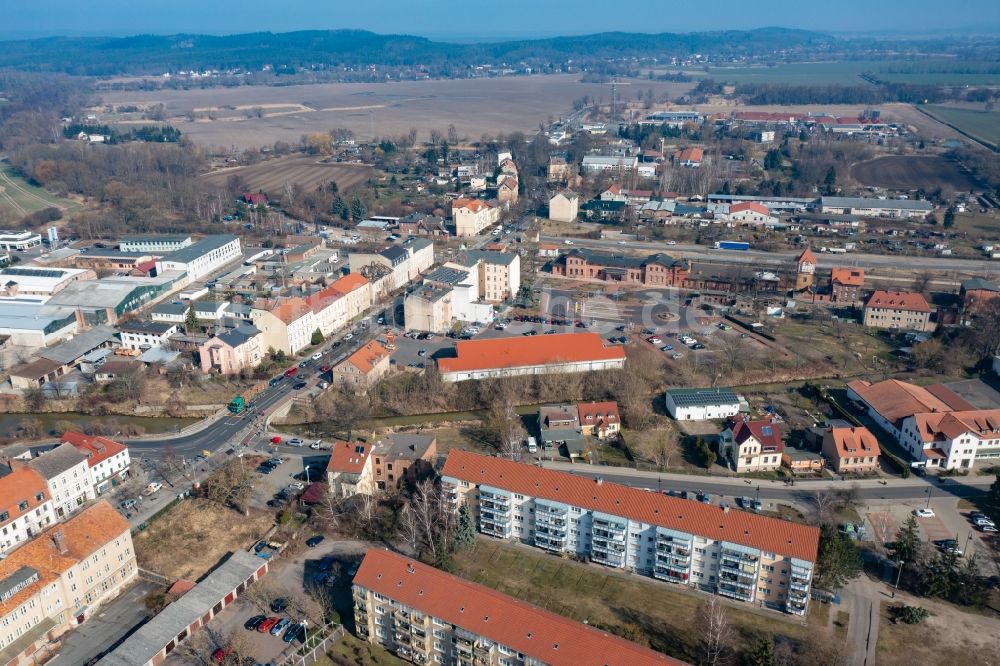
[(156, 238), (862, 202), (202, 247), (80, 344), (153, 636)]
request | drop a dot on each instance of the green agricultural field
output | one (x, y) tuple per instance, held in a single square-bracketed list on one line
[(18, 198), (984, 125)]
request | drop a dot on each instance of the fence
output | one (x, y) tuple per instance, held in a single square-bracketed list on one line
[(154, 577), (312, 651)]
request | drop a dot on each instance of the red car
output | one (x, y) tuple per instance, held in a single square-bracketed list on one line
[(219, 656), (291, 372), (325, 368), (267, 625), (276, 440)]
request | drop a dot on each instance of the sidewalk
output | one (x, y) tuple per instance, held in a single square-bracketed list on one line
[(808, 484)]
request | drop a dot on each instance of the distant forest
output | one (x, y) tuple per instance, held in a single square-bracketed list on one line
[(357, 49)]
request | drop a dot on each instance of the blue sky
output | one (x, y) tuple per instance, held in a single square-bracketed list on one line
[(478, 20)]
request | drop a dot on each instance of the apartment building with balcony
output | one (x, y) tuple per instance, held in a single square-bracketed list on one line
[(427, 616), (733, 553)]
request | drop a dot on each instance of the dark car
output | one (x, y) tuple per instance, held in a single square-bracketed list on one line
[(275, 380), (254, 622), (314, 540), (326, 563), (298, 386), (279, 605), (293, 632)]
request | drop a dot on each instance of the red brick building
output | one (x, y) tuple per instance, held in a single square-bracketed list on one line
[(846, 284), (977, 294), (659, 269)]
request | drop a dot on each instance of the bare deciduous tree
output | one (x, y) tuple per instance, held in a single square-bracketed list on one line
[(715, 633)]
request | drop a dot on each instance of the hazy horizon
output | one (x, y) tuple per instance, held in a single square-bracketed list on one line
[(449, 20)]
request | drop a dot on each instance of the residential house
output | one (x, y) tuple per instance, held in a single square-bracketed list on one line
[(255, 199), (507, 189), (750, 445), (232, 351), (173, 312), (117, 367), (846, 284), (210, 310), (60, 579), (660, 270), (689, 157), (851, 450), (977, 294), (396, 453), (702, 404), (427, 616), (898, 310), (599, 419), (498, 273), (142, 335), (531, 355), (558, 426), (805, 270), (67, 475), (467, 304), (559, 170), (609, 163), (108, 461), (564, 206), (285, 325), (364, 368), (341, 302), (472, 216), (349, 471), (420, 224), (26, 508), (548, 250), (742, 556), (936, 426), (800, 461)]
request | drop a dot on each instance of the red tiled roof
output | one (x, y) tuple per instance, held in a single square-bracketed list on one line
[(755, 207), (475, 205), (768, 534), (350, 282), (97, 449), (895, 400), (348, 458), (849, 277), (291, 310), (21, 485), (368, 356), (690, 155), (807, 256), (598, 413), (853, 442), (529, 351), (766, 432), (528, 629), (909, 301)]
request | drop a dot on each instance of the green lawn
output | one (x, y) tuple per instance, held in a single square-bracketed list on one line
[(654, 613), (983, 125), (846, 73), (352, 651), (18, 198)]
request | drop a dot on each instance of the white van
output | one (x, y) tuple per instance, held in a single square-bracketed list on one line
[(532, 445)]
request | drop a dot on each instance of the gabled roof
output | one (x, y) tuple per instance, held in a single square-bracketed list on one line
[(849, 277), (291, 310), (765, 431), (895, 400), (348, 283), (23, 484), (97, 449), (854, 442), (690, 155), (976, 284), (367, 357), (807, 256), (909, 301), (598, 413), (348, 458), (60, 459), (528, 352), (768, 534), (751, 206), (474, 205), (702, 397), (523, 627)]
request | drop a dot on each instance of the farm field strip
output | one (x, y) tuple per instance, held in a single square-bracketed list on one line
[(911, 172), (984, 125), (307, 173), (24, 199)]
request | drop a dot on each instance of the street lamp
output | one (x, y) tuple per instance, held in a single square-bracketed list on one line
[(930, 491), (899, 575)]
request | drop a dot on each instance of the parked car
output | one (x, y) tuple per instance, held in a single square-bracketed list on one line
[(315, 540), (276, 440), (987, 528), (317, 356), (267, 625), (326, 563), (349, 336), (219, 656), (279, 626), (294, 631), (295, 441), (667, 348), (291, 372), (296, 485), (298, 386), (254, 622), (924, 513), (279, 605)]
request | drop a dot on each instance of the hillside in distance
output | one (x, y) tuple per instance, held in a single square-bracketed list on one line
[(326, 49)]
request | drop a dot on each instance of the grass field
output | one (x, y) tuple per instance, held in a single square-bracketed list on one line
[(663, 615), (846, 73), (984, 125), (308, 172), (910, 172), (18, 198), (352, 651), (194, 535)]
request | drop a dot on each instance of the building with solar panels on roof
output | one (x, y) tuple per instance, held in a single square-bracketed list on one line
[(702, 404)]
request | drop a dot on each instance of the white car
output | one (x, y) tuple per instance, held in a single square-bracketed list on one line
[(567, 242), (316, 446), (923, 513), (297, 485), (671, 242), (317, 356), (349, 336), (295, 441)]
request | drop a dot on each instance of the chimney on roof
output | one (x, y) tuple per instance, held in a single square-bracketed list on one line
[(725, 509), (59, 541), (599, 480)]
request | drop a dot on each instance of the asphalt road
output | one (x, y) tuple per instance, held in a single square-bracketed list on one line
[(910, 489), (761, 258)]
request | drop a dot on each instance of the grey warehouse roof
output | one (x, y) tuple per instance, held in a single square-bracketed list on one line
[(202, 247), (860, 202)]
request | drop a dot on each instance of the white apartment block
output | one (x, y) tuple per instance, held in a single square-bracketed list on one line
[(204, 257), (67, 476), (107, 460), (471, 216), (745, 557), (61, 578), (156, 243), (25, 507)]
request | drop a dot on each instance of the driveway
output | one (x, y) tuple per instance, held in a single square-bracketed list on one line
[(102, 632)]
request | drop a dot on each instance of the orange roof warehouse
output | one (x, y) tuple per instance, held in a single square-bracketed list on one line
[(508, 357)]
